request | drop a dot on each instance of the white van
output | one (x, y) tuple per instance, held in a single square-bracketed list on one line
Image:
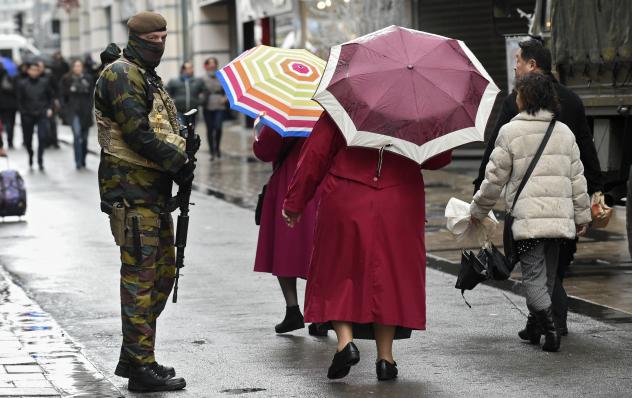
[(17, 48)]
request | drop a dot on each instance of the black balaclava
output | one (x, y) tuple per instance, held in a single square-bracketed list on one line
[(146, 52)]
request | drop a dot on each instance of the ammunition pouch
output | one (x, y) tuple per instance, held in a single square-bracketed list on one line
[(116, 213), (127, 226)]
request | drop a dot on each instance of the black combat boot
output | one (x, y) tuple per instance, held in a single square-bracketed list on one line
[(147, 379), (293, 320), (551, 335), (385, 370), (532, 331), (123, 370)]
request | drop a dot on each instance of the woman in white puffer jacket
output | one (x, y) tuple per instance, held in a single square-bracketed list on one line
[(553, 205)]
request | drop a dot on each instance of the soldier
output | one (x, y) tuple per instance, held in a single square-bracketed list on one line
[(142, 153)]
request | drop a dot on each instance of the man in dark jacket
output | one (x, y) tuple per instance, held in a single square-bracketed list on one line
[(533, 57), (8, 107), (187, 91), (35, 102)]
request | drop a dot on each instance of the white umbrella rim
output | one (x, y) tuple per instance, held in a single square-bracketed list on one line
[(418, 153)]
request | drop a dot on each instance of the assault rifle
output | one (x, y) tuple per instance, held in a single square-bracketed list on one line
[(184, 195)]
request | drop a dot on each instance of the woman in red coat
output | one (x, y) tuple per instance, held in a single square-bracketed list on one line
[(367, 271), (282, 251)]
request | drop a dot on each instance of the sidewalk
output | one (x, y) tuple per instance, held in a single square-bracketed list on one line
[(37, 359)]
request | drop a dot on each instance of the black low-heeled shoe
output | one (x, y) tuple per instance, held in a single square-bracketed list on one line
[(385, 370), (293, 320), (318, 329), (343, 361)]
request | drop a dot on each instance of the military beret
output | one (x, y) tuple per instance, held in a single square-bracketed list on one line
[(146, 22)]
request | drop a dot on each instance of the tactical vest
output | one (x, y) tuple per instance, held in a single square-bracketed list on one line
[(163, 120)]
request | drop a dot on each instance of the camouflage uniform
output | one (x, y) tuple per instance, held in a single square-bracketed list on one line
[(141, 151)]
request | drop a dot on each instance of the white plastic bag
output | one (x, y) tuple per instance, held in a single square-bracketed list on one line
[(457, 213)]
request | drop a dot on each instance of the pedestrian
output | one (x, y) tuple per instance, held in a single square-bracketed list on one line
[(76, 89), (214, 108), (533, 57), (553, 205), (367, 270), (8, 105), (35, 102), (142, 154), (53, 76), (188, 92), (282, 251)]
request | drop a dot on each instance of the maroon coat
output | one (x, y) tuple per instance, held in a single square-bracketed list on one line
[(282, 251), (369, 259)]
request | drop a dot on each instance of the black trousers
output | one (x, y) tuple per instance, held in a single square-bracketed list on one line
[(28, 125), (8, 121), (559, 297), (52, 131), (214, 120)]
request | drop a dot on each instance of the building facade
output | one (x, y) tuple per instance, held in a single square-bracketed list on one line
[(37, 20), (197, 29)]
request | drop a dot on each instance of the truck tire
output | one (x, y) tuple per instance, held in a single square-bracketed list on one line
[(628, 212)]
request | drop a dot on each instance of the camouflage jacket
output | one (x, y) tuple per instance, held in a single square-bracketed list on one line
[(125, 95)]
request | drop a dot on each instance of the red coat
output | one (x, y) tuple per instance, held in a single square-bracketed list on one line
[(282, 251), (369, 258)]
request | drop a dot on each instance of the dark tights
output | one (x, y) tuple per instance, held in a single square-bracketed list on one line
[(288, 287)]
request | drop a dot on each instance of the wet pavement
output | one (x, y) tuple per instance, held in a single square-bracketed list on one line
[(37, 358), (220, 334)]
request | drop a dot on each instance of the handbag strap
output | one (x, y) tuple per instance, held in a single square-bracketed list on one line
[(285, 152), (534, 161)]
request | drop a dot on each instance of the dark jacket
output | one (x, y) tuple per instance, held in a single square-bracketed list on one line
[(572, 114), (187, 93), (35, 96), (76, 98), (7, 91)]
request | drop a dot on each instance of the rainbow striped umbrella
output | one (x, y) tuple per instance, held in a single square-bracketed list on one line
[(279, 82)]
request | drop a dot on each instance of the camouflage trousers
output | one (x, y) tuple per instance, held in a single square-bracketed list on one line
[(147, 276)]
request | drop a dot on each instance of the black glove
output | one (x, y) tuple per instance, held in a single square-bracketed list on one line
[(185, 174), (197, 141)]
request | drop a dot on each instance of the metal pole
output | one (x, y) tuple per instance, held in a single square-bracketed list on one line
[(186, 45)]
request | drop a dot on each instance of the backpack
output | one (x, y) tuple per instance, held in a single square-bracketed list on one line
[(12, 194), (6, 84)]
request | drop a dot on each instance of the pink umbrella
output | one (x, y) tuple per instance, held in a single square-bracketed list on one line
[(409, 92)]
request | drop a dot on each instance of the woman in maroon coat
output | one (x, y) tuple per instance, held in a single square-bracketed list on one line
[(367, 272), (282, 251)]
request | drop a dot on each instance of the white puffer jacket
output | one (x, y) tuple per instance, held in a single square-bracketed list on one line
[(555, 197)]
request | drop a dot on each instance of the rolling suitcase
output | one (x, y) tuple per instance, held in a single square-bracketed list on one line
[(12, 193)]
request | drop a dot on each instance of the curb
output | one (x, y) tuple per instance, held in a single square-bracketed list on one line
[(589, 308)]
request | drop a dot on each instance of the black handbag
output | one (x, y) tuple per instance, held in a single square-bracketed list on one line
[(262, 194), (511, 252)]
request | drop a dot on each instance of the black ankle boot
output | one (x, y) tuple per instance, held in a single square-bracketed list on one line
[(293, 320), (531, 331), (385, 370), (147, 379), (343, 361), (560, 324), (551, 335)]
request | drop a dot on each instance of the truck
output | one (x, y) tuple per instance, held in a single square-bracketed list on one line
[(591, 48), (17, 48)]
